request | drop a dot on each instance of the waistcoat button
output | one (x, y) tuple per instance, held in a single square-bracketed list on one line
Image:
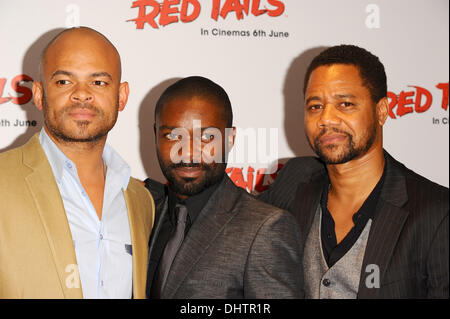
[(326, 282)]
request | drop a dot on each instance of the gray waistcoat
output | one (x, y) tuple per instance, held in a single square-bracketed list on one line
[(341, 281)]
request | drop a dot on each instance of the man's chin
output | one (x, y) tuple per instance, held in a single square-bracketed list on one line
[(182, 182), (81, 137), (187, 188), (337, 157), (332, 154)]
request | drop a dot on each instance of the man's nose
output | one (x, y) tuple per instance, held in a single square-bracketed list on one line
[(192, 150), (82, 93), (329, 116)]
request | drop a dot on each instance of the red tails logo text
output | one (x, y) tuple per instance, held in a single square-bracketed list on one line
[(24, 92), (418, 100), (162, 13), (255, 181)]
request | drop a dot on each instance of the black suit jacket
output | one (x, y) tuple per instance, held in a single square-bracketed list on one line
[(409, 236), (237, 247)]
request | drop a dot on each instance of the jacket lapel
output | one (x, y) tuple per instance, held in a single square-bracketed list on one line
[(306, 201), (50, 208), (213, 218), (139, 230), (387, 225), (162, 209)]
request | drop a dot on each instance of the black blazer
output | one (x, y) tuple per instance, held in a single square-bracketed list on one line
[(238, 247), (409, 236)]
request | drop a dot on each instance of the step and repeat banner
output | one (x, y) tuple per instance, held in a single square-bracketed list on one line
[(258, 50)]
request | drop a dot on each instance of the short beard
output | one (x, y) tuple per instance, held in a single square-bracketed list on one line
[(59, 134), (349, 153), (188, 186), (62, 136)]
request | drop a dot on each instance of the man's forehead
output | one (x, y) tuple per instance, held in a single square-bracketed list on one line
[(189, 121), (336, 74), (82, 41), (336, 71), (194, 122), (193, 104)]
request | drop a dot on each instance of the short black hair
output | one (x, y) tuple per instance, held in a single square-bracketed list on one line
[(370, 68), (200, 87)]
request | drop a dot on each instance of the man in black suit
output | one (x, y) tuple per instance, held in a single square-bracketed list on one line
[(212, 239), (370, 227)]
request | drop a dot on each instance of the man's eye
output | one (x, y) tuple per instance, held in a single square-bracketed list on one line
[(100, 83), (346, 104), (62, 82), (172, 136), (206, 137), (314, 107)]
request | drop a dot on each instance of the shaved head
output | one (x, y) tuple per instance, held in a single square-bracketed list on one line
[(80, 90), (82, 36)]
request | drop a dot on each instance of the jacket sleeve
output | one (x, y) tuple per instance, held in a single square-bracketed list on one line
[(274, 266), (279, 192), (297, 170), (438, 263)]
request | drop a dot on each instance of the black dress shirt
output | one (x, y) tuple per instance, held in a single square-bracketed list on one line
[(332, 251), (194, 205)]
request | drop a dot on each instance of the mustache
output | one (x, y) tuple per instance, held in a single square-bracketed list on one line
[(80, 105), (189, 165), (327, 130)]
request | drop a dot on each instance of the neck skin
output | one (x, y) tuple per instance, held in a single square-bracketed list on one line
[(87, 156), (352, 182)]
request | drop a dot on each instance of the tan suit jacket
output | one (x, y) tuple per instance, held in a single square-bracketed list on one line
[(37, 256)]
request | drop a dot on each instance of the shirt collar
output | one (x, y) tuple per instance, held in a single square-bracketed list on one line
[(116, 166), (55, 156), (368, 209)]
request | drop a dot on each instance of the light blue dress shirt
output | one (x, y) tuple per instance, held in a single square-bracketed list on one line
[(102, 247)]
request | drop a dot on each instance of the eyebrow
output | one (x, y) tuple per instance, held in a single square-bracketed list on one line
[(93, 75), (61, 72), (344, 96), (312, 98), (100, 74), (166, 127), (340, 96)]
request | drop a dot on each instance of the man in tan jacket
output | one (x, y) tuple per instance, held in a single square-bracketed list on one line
[(73, 223)]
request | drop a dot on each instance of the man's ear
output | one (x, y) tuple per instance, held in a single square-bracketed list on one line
[(382, 111), (124, 91), (38, 95)]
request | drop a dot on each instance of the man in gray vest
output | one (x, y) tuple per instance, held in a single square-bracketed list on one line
[(371, 227)]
